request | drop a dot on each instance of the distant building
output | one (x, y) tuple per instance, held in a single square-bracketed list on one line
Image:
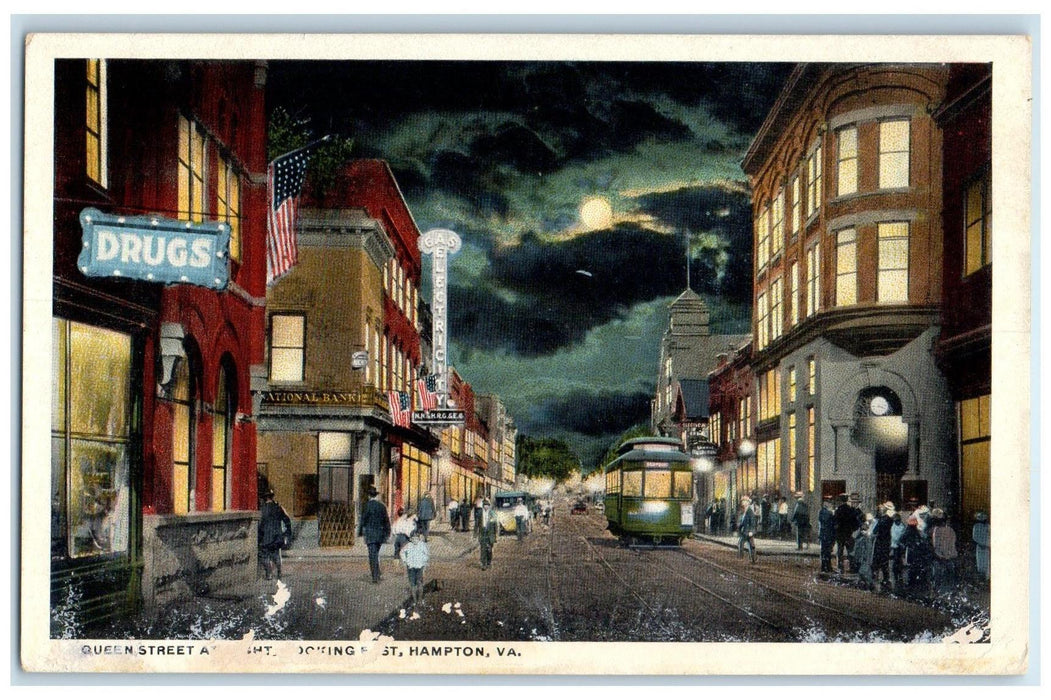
[(689, 351), (847, 183), (731, 387)]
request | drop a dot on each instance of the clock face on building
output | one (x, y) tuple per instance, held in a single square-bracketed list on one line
[(879, 406)]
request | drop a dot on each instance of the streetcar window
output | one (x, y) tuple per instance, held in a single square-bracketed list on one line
[(683, 485), (632, 483), (658, 483)]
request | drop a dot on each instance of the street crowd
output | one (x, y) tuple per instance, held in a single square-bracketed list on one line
[(912, 552)]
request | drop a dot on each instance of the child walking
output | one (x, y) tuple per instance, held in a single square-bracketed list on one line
[(416, 554)]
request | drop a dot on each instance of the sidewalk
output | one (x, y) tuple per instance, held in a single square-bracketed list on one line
[(444, 543), (765, 545)]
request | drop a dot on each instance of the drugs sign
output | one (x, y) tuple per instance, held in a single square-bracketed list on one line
[(154, 249)]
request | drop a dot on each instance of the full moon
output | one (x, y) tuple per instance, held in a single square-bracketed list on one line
[(596, 213)]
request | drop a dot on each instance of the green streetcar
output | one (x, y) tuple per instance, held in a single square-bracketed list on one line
[(649, 492)]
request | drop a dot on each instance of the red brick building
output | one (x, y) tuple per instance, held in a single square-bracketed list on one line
[(153, 440)]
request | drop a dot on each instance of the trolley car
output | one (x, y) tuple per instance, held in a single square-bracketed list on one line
[(649, 492)]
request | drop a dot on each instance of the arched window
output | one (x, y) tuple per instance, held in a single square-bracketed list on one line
[(225, 410), (185, 394)]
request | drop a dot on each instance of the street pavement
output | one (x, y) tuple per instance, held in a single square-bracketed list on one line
[(765, 545)]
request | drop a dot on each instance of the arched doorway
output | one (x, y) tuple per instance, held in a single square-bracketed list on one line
[(880, 430)]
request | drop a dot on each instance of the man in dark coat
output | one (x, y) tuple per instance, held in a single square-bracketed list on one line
[(425, 514), (881, 547), (375, 527), (275, 533), (801, 521), (487, 533), (847, 522), (826, 535), (746, 529)]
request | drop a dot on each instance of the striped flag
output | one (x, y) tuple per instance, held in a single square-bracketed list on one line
[(427, 389), (284, 185), (400, 412)]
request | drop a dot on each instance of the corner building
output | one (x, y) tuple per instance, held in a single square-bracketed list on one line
[(846, 173), (153, 433)]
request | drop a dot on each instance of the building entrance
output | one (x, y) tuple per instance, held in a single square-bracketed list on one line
[(880, 430)]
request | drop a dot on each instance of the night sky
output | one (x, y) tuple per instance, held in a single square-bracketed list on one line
[(574, 187)]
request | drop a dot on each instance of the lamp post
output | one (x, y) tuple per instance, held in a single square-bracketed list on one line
[(702, 459)]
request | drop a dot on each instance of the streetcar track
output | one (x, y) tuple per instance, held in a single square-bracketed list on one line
[(786, 594), (552, 596)]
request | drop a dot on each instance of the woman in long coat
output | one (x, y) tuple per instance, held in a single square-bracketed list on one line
[(980, 537)]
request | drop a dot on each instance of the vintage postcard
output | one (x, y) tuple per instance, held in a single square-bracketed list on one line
[(506, 354)]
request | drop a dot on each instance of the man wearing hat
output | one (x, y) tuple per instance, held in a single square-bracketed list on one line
[(847, 523), (826, 535), (746, 528), (881, 546), (275, 533), (375, 527), (487, 533)]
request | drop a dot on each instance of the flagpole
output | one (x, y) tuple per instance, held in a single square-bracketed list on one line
[(310, 145)]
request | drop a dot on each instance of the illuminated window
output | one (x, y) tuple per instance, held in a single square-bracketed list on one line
[(385, 370), (658, 483), (813, 185), (222, 438), (846, 268), (978, 225), (762, 321), (974, 417), (794, 481), (811, 449), (228, 204), (631, 484), (91, 428), (813, 279), (287, 347), (847, 163), (778, 215), (184, 395), (762, 250), (777, 310), (96, 122), (894, 154), (892, 283), (795, 221), (191, 171), (793, 293), (791, 384), (812, 375), (769, 395), (683, 485)]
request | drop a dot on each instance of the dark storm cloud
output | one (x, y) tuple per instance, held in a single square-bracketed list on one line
[(596, 414)]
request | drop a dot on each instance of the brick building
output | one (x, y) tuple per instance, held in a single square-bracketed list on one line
[(153, 435)]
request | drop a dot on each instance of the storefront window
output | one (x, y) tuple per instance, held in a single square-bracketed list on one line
[(185, 390), (90, 440), (222, 434)]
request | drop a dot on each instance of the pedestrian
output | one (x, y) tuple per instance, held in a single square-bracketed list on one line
[(980, 537), (720, 517), (862, 556), (425, 514), (746, 528), (709, 518), (487, 533), (453, 508), (943, 546), (402, 529), (917, 558), (521, 519), (881, 536), (897, 553), (765, 516), (374, 526), (801, 522), (826, 535), (547, 513), (847, 523), (478, 503), (274, 534), (923, 514), (783, 523), (416, 555)]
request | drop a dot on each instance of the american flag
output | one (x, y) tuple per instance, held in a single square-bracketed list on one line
[(400, 412), (427, 389), (284, 184)]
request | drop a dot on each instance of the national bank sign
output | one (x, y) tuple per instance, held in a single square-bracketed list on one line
[(155, 249)]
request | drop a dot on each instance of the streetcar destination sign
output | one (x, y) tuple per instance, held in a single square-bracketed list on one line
[(154, 249), (439, 416)]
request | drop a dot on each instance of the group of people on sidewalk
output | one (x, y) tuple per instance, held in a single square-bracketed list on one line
[(751, 520), (913, 552)]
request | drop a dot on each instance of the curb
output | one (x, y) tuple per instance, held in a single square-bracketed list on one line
[(759, 548)]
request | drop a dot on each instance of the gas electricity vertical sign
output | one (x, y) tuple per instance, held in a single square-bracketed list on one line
[(441, 244)]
